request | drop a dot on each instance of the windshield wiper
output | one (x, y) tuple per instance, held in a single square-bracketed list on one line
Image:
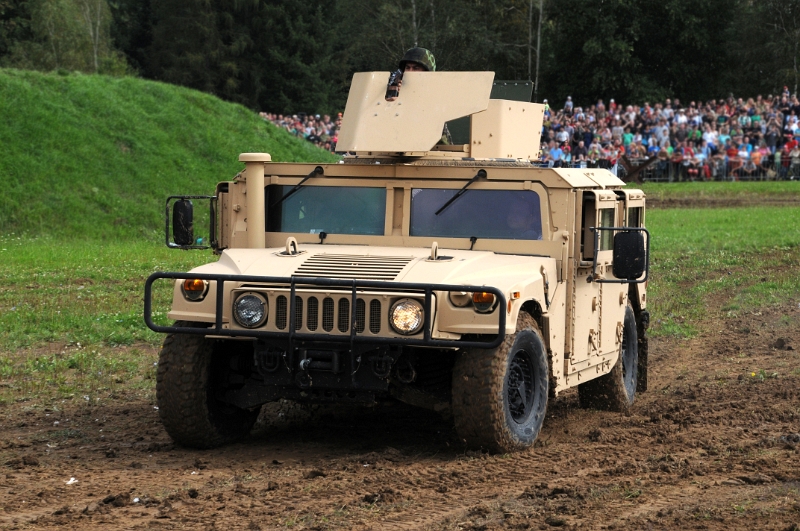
[(317, 171), (480, 175)]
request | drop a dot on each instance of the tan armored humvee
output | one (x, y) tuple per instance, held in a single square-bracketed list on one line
[(459, 278)]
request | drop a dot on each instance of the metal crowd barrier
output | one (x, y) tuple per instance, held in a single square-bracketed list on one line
[(670, 171)]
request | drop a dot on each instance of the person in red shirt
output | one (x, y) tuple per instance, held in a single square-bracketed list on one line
[(732, 153)]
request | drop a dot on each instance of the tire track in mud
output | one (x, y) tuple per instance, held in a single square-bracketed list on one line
[(465, 487)]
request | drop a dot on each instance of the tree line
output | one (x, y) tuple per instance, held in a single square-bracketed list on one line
[(291, 55)]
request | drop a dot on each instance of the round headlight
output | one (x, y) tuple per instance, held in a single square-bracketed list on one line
[(407, 316), (194, 289), (250, 310)]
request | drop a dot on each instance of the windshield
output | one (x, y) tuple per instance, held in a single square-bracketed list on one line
[(500, 214), (329, 209)]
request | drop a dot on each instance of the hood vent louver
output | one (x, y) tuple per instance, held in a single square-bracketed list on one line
[(353, 266)]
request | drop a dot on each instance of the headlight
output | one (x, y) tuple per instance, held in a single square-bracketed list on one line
[(250, 310), (460, 299), (194, 289), (406, 316), (483, 301)]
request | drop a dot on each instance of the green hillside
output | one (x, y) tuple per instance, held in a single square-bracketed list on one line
[(93, 157)]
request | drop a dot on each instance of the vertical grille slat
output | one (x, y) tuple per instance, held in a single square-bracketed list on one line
[(344, 315), (280, 313), (327, 314), (361, 314), (312, 318), (375, 316), (298, 313)]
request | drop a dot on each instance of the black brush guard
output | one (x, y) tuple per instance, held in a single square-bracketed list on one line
[(354, 285)]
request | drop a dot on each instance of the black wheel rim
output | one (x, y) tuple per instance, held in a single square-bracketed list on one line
[(520, 386)]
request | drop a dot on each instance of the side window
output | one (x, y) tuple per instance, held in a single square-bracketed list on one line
[(596, 214), (587, 236), (634, 218), (606, 236)]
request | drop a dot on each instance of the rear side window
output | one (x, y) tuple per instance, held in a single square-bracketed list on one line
[(634, 217), (606, 236)]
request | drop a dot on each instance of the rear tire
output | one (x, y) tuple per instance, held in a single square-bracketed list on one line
[(190, 371), (500, 395), (616, 391)]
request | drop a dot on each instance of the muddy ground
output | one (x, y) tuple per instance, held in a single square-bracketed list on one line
[(714, 444)]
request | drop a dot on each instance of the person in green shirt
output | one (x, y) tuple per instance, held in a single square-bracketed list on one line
[(627, 137)]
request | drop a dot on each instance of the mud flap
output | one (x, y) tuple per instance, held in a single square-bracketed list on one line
[(642, 323)]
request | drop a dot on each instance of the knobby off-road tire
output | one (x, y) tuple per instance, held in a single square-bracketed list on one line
[(500, 395), (616, 391), (189, 370)]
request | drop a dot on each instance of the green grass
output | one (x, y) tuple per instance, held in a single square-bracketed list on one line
[(721, 190), (88, 293), (94, 157), (747, 255), (71, 322)]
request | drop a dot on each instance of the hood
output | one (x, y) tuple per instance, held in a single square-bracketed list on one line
[(398, 264)]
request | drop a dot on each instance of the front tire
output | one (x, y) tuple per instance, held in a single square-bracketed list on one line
[(190, 371), (616, 391), (500, 395)]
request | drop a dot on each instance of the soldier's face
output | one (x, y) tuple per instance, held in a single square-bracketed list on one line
[(414, 67)]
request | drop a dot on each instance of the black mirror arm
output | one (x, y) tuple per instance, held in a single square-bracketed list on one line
[(594, 277)]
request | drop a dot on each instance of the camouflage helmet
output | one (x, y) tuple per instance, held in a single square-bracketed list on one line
[(420, 56)]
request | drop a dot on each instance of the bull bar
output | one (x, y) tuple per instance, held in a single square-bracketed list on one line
[(355, 285)]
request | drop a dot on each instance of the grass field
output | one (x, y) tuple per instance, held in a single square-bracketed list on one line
[(698, 191), (747, 254), (68, 308)]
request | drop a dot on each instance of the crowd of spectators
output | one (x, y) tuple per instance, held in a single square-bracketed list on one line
[(323, 131), (730, 138)]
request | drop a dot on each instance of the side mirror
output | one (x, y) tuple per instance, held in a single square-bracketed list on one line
[(630, 255), (183, 222)]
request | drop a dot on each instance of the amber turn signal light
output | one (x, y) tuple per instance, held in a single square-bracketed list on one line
[(194, 289), (194, 284), (483, 301), (482, 297)]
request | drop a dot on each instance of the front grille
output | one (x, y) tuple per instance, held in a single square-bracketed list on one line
[(330, 312), (353, 266), (333, 315)]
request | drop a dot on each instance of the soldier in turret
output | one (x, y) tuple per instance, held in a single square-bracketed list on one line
[(414, 60)]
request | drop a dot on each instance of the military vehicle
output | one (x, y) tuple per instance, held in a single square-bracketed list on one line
[(462, 278)]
